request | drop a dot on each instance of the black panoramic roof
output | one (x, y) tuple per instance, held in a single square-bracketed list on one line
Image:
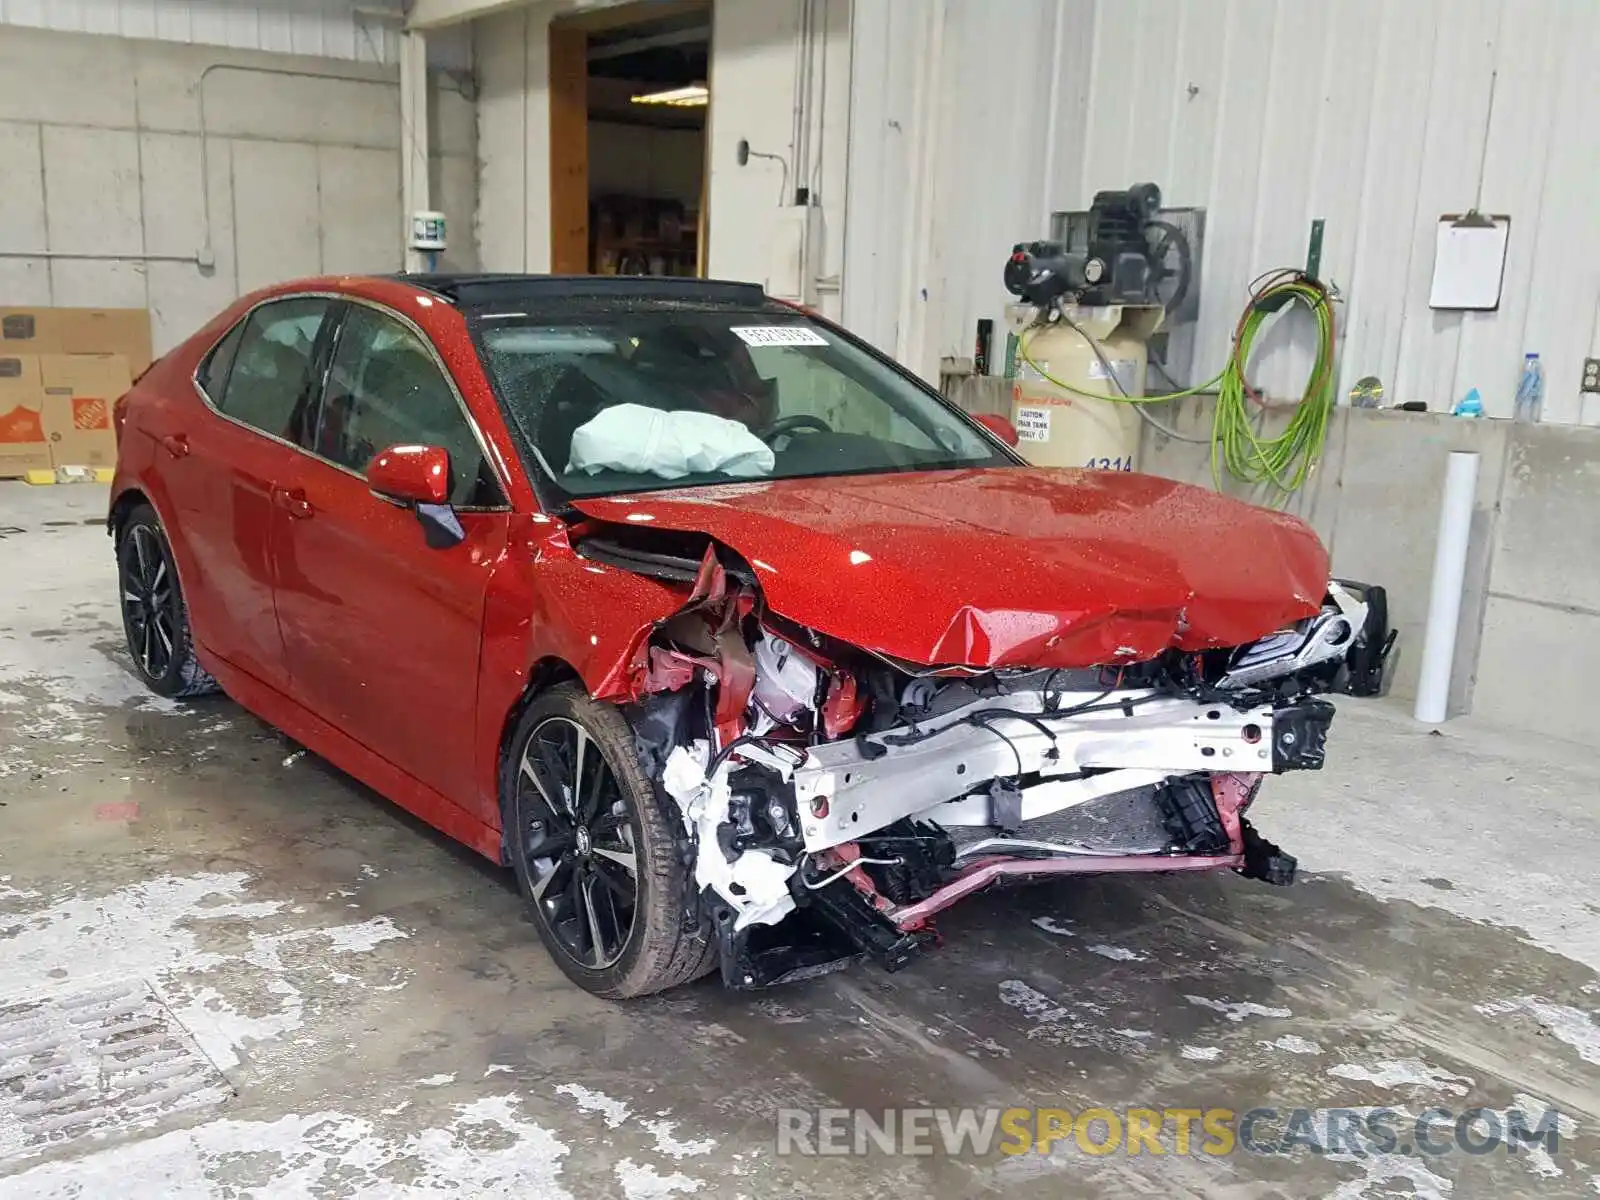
[(477, 291)]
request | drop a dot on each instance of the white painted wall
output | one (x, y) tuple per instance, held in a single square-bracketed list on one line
[(976, 118), (348, 29), (103, 204), (948, 148), (755, 61), (512, 53)]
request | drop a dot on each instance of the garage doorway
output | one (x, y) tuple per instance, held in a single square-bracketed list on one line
[(628, 118)]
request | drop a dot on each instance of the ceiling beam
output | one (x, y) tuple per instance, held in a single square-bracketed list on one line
[(655, 41), (591, 15), (436, 14)]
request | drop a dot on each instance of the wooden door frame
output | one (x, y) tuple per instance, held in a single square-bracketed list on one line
[(569, 149), (569, 128)]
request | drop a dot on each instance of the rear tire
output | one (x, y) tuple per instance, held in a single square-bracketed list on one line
[(584, 828), (154, 615)]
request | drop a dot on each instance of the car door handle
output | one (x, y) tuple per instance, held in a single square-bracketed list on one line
[(293, 501), (176, 444)]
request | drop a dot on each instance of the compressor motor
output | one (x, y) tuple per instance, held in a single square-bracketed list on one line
[(1122, 253)]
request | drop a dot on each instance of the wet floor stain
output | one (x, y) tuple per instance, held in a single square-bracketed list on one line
[(1217, 994)]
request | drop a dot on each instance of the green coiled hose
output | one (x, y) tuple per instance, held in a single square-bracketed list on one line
[(1282, 462)]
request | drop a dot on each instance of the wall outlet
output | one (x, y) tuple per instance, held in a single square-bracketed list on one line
[(1591, 376)]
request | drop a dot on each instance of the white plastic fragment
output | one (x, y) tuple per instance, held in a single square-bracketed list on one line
[(786, 682), (683, 777), (754, 885)]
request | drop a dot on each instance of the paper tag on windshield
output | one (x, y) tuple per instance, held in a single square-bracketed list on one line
[(778, 335)]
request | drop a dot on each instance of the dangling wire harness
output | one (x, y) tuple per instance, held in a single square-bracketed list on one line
[(1237, 444)]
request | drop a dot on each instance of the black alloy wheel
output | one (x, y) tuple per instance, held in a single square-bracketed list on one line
[(577, 844), (149, 604), (595, 846), (154, 615)]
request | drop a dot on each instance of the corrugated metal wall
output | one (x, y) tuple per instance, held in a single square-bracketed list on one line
[(1372, 114), (327, 28)]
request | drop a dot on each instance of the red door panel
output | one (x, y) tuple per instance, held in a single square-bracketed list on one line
[(219, 453), (382, 633), (217, 479)]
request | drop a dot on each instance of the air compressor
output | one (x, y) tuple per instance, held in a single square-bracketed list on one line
[(1090, 306)]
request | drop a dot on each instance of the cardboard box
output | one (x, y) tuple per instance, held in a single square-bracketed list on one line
[(121, 331), (26, 331), (79, 390), (23, 446), (124, 331)]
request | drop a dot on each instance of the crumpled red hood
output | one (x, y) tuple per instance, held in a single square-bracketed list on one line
[(1006, 566)]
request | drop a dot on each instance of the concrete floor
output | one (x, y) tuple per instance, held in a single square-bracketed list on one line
[(323, 998)]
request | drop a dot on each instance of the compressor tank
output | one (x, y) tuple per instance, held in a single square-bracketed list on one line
[(1057, 428)]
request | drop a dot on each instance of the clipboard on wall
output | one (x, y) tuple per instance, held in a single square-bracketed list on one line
[(1469, 261)]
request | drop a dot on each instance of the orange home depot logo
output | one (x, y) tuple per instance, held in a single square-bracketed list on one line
[(21, 425), (90, 413)]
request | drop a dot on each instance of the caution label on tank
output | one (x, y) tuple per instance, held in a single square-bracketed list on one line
[(1033, 424)]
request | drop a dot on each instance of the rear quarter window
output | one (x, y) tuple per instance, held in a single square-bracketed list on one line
[(271, 368), (213, 372)]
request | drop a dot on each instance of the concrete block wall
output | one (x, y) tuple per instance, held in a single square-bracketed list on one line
[(1541, 630), (109, 187), (1374, 501), (1528, 649), (1529, 639)]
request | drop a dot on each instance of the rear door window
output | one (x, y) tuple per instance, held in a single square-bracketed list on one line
[(272, 366)]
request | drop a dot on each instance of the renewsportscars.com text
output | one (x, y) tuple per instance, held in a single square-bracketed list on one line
[(1263, 1130)]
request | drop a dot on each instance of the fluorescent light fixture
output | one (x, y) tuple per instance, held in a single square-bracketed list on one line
[(693, 96)]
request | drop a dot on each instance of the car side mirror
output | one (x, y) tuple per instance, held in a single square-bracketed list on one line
[(999, 426), (411, 474), (418, 477)]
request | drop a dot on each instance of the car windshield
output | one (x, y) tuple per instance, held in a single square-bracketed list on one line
[(619, 398)]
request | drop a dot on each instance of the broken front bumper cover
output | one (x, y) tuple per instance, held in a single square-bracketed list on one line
[(1005, 765), (852, 844), (1081, 747), (847, 919)]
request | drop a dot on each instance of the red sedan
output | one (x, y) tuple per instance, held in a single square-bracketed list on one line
[(734, 640)]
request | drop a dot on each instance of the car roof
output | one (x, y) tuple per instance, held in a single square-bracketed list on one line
[(480, 290)]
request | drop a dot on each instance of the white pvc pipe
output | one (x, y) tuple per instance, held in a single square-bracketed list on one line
[(1449, 575)]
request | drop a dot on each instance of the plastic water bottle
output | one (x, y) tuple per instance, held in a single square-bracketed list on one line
[(1470, 405), (1530, 390)]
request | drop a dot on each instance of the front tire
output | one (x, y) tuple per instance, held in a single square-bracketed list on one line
[(594, 851), (154, 615)]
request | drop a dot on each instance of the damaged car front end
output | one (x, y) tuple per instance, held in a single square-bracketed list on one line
[(833, 798)]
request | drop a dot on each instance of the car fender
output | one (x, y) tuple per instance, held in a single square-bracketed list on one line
[(550, 615)]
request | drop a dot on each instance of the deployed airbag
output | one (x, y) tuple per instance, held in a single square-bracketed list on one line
[(637, 440)]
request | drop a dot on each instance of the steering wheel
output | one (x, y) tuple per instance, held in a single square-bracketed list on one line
[(792, 423)]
